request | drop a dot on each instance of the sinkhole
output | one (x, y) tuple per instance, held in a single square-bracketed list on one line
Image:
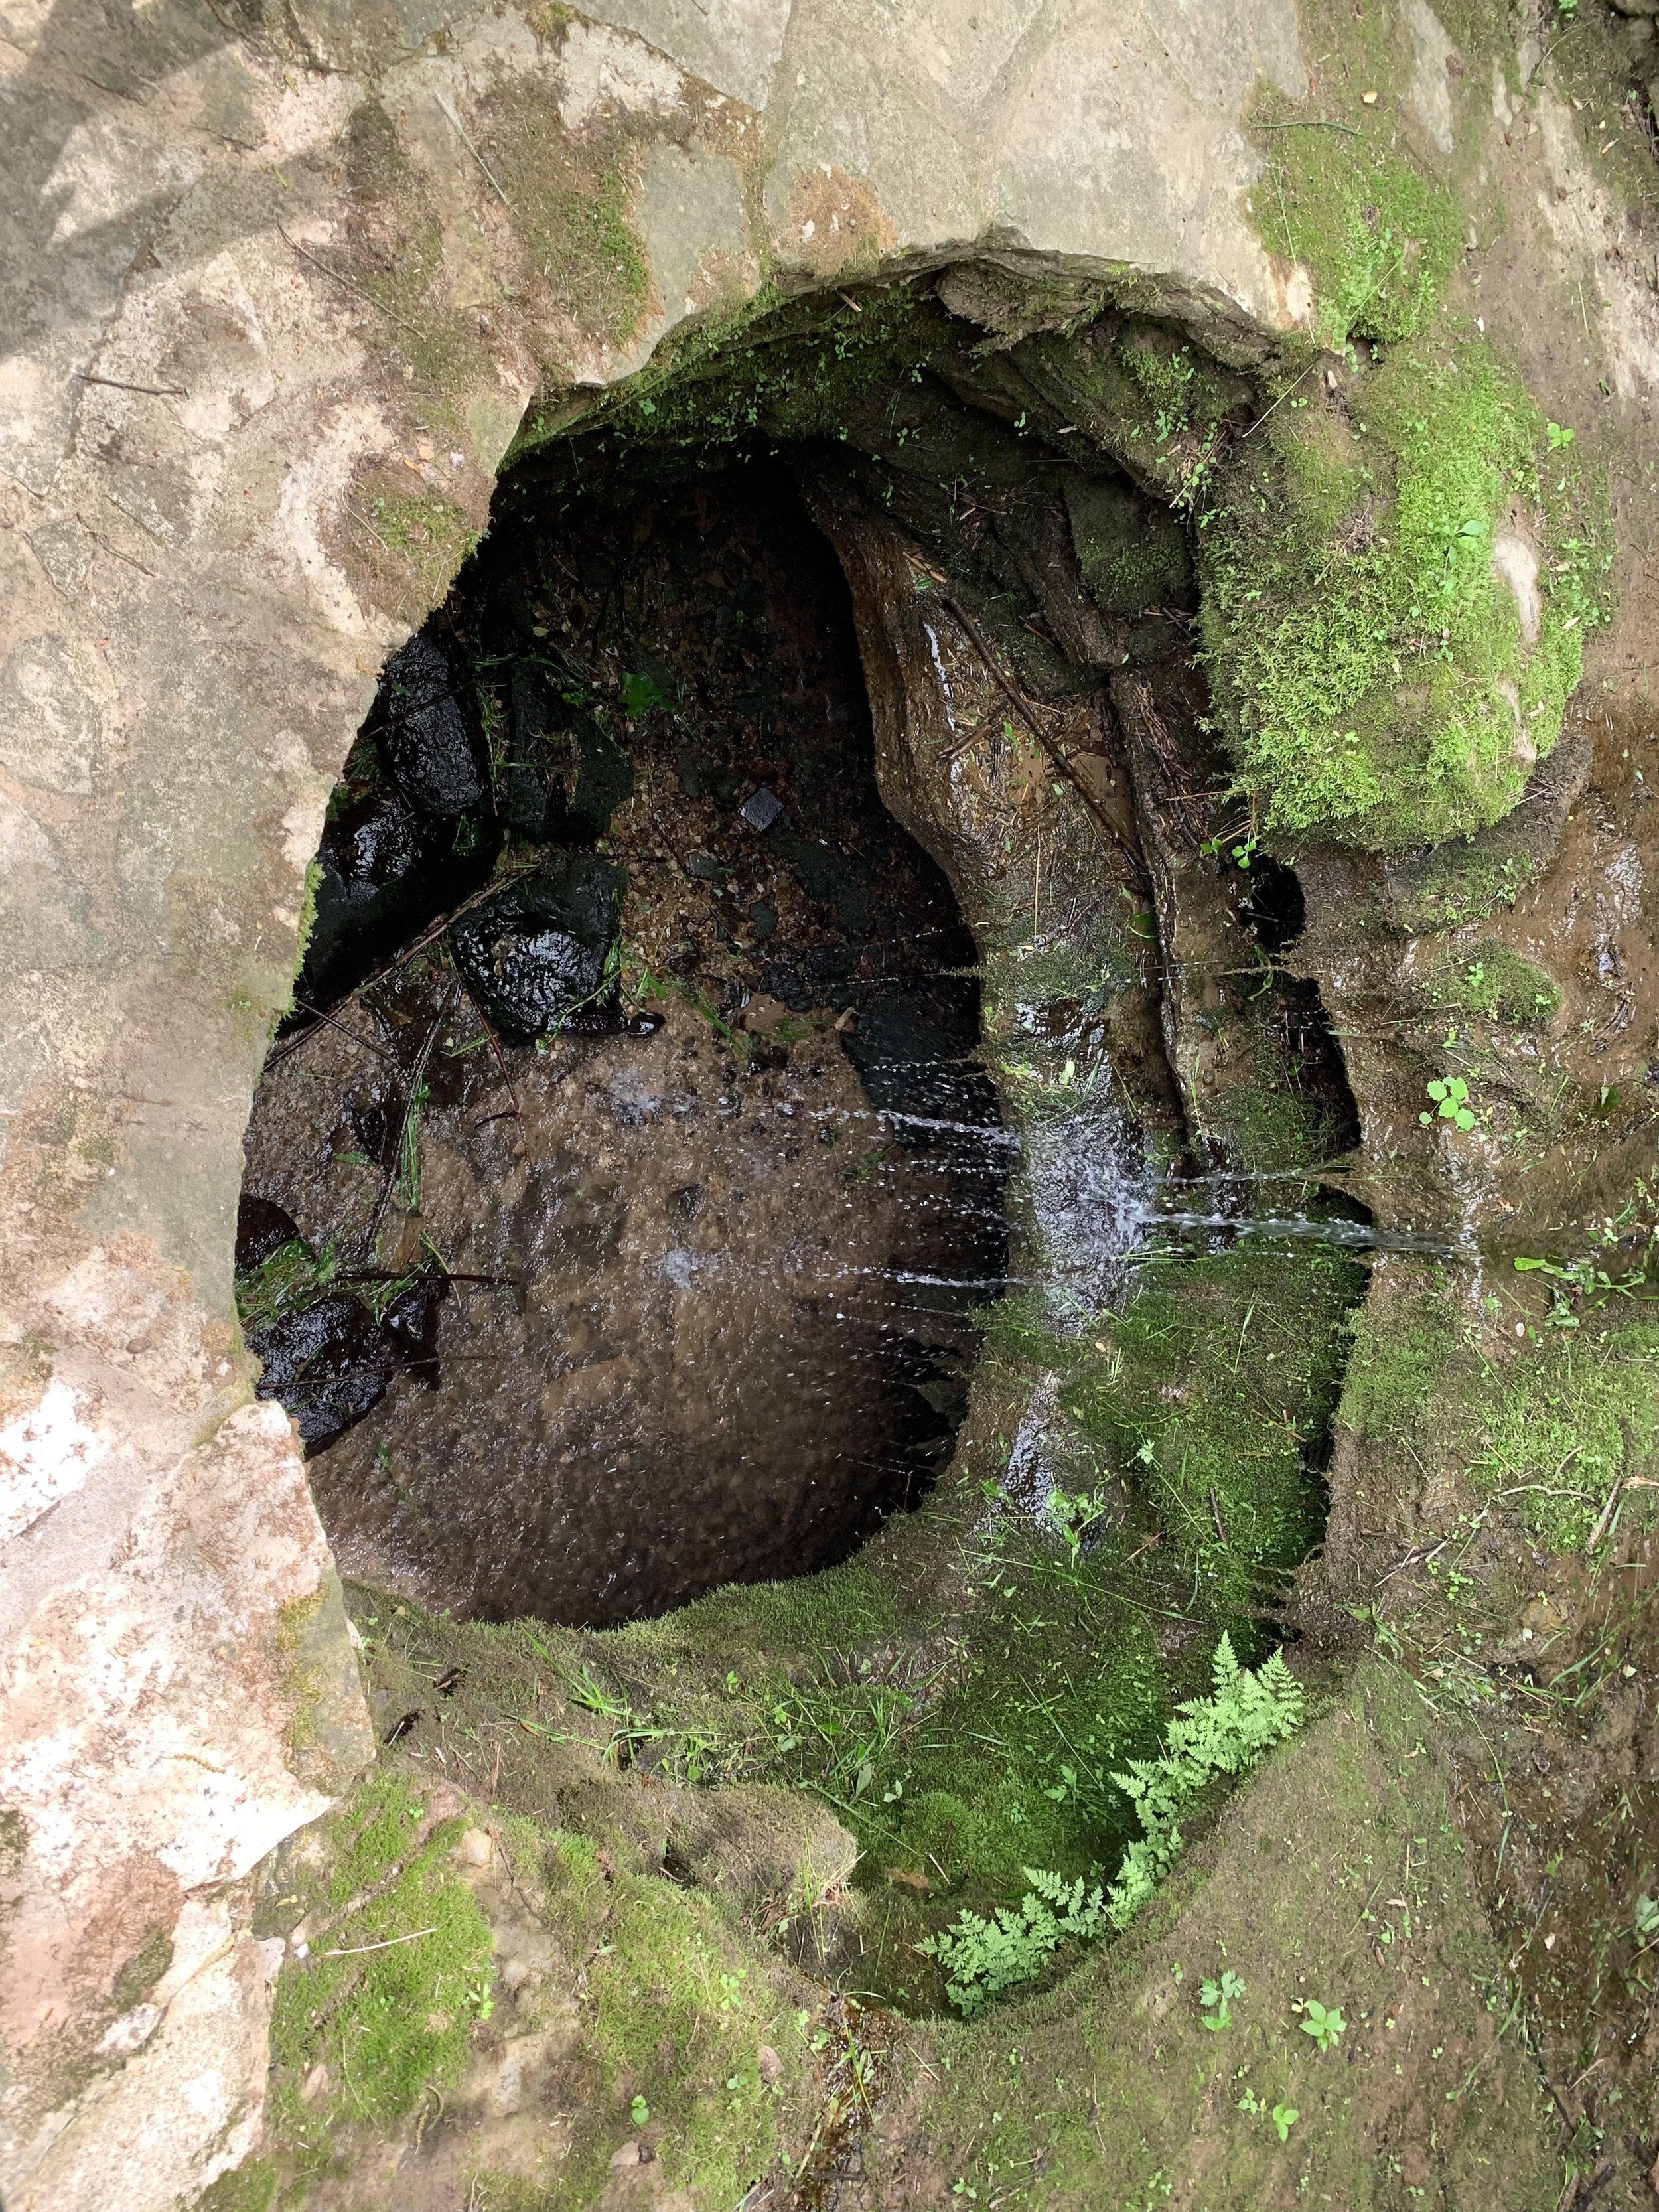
[(778, 905)]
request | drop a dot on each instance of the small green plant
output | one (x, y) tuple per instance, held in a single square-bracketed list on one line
[(982, 1957), (1324, 2023), (1585, 1280), (639, 2111), (1284, 2118), (639, 694), (1228, 1733), (1647, 1918), (1075, 1512), (1450, 1095), (1217, 2000)]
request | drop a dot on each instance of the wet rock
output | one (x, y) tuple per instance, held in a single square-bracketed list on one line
[(425, 743), (382, 878), (411, 1324), (328, 1362), (536, 958), (371, 845), (262, 1227), (566, 776), (366, 861)]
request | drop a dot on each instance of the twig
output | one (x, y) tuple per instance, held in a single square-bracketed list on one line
[(367, 1044), (411, 1107), (119, 384), (1096, 814), (350, 283), (460, 132), (354, 1950), (1309, 123), (1601, 1528), (500, 1057), (402, 959)]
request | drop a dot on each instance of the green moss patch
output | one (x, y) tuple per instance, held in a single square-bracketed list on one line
[(1376, 230), (1489, 980), (1371, 665), (1131, 2091), (676, 2015), (408, 538), (1565, 1422), (398, 1971)]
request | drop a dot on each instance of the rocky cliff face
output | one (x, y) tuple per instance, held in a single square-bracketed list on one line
[(280, 296)]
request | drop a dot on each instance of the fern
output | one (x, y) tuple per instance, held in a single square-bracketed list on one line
[(982, 1958), (1228, 1733)]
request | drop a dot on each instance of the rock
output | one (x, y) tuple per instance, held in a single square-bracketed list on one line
[(262, 1227), (425, 743), (382, 875), (411, 1324), (761, 810), (370, 845), (328, 1362), (534, 957)]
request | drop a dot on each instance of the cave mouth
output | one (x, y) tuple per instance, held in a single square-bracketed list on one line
[(621, 1197), (625, 1193)]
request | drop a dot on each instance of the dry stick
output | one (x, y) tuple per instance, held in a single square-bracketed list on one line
[(119, 384), (354, 1950), (348, 283), (390, 968), (1096, 814), (460, 132), (500, 1057), (317, 1013)]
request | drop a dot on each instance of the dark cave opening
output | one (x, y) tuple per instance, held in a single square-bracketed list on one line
[(620, 1200)]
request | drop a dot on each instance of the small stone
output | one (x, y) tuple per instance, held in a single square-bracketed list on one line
[(770, 2065), (1368, 98), (474, 1849), (761, 810), (314, 2085)]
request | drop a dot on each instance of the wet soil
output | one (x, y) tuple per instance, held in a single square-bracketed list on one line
[(707, 1253)]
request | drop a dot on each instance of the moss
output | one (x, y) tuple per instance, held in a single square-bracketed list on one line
[(410, 542), (1120, 2095), (1488, 979), (397, 1972), (1370, 666), (1565, 1421), (675, 2012), (250, 2187), (1461, 882), (1401, 1350), (143, 1970), (1376, 230), (1211, 1395), (308, 921)]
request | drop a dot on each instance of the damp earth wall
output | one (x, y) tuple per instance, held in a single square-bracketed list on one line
[(282, 294)]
